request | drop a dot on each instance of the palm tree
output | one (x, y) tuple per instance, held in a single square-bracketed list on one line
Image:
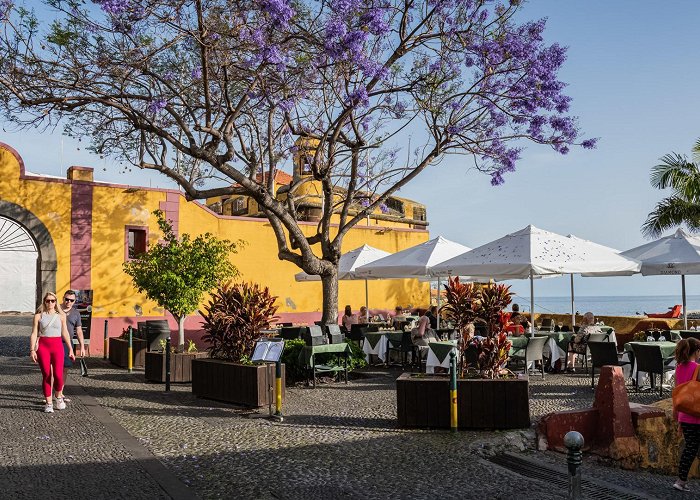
[(683, 206)]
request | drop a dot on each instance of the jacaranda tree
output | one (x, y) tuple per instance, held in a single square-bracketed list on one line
[(215, 94)]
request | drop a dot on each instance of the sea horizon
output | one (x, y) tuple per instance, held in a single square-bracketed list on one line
[(607, 305)]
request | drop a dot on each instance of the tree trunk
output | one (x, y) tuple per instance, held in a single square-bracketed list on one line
[(330, 297), (181, 333)]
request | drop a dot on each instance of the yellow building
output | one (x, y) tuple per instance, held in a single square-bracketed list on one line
[(76, 233)]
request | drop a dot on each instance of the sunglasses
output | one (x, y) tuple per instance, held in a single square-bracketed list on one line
[(50, 301), (68, 300)]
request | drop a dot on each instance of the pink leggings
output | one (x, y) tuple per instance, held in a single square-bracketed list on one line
[(50, 354)]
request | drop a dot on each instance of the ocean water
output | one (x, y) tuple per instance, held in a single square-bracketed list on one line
[(612, 305)]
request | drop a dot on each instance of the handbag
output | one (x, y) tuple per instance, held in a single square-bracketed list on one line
[(83, 368), (686, 397)]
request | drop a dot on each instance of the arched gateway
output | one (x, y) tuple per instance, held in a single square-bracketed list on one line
[(27, 259)]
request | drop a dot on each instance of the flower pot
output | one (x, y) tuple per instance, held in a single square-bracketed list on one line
[(180, 366), (119, 351), (424, 401), (249, 385)]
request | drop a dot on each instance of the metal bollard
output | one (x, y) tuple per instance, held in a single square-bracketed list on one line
[(278, 390), (574, 443), (453, 391), (130, 352), (106, 344), (167, 364)]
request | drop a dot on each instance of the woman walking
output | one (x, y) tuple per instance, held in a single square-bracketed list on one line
[(687, 353), (50, 327)]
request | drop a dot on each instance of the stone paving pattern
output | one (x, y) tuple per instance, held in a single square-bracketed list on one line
[(67, 454), (336, 441)]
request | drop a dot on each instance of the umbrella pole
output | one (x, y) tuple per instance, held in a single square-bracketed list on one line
[(573, 313), (532, 305), (367, 298), (685, 312), (438, 314)]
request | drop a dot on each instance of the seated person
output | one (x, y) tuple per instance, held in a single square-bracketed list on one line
[(432, 316), (348, 319), (398, 313), (364, 315), (422, 334), (578, 341)]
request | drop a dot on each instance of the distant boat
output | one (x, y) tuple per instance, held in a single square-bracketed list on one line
[(673, 312)]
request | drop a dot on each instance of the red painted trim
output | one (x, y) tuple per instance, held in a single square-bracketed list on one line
[(81, 236), (126, 239)]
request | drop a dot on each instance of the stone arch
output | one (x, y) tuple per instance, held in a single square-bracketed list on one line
[(46, 262)]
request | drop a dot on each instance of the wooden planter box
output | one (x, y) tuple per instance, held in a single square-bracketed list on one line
[(180, 366), (481, 404), (247, 385), (119, 350)]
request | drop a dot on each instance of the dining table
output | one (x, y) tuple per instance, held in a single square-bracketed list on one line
[(375, 343), (439, 354), (551, 347), (630, 371)]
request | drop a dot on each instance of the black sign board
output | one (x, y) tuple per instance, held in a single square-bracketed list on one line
[(83, 303), (269, 350)]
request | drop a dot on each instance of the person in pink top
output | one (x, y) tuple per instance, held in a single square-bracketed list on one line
[(687, 353)]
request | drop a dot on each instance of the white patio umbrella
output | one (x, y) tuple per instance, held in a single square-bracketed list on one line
[(678, 254), (348, 264), (534, 252), (414, 262)]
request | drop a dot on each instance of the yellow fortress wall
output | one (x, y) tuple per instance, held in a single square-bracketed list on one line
[(85, 224)]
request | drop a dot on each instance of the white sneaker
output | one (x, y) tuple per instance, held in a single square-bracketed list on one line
[(48, 408), (60, 404)]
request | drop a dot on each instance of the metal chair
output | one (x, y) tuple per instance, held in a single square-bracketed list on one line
[(292, 332), (648, 358), (603, 353), (579, 349), (686, 334), (532, 352), (402, 347)]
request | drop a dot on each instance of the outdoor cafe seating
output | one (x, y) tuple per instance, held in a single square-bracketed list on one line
[(530, 352), (603, 353)]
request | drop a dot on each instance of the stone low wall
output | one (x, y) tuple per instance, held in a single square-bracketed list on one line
[(621, 324)]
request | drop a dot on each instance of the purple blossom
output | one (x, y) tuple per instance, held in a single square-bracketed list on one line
[(590, 143), (197, 73), (156, 105), (278, 11), (384, 209), (115, 7), (364, 202), (358, 97), (5, 8)]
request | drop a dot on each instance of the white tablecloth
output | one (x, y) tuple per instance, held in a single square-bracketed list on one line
[(432, 360), (379, 350), (555, 352), (630, 371)]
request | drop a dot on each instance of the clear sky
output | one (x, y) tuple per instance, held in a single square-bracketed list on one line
[(634, 82)]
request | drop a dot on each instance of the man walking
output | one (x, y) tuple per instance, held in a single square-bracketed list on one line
[(73, 321)]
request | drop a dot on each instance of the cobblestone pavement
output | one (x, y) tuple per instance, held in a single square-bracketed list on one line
[(336, 441), (68, 454)]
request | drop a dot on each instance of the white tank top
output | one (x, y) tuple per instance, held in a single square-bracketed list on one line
[(47, 328)]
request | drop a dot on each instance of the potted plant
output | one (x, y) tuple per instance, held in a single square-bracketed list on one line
[(119, 349), (233, 319), (180, 363), (488, 396)]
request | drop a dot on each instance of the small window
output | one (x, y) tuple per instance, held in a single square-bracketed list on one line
[(136, 239)]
